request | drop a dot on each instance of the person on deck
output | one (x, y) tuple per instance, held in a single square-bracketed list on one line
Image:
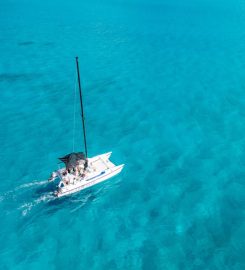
[(65, 177), (86, 164)]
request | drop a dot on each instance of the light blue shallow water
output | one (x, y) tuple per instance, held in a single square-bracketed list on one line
[(164, 86)]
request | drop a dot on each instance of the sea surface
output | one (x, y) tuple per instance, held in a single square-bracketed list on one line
[(164, 90)]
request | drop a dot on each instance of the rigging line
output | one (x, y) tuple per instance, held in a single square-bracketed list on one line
[(74, 113)]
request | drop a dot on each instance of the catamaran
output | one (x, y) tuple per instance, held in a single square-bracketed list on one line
[(80, 171)]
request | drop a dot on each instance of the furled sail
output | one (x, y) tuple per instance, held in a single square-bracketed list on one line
[(73, 159)]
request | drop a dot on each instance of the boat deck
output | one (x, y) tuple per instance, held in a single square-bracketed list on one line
[(100, 168), (100, 164)]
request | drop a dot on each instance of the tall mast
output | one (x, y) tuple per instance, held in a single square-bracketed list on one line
[(81, 102)]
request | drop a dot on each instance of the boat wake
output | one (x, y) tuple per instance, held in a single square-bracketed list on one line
[(32, 184), (14, 192), (34, 194), (28, 206), (28, 190), (82, 202)]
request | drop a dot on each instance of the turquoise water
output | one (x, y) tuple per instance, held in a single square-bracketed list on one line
[(164, 89)]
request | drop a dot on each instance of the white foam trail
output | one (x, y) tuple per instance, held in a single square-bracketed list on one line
[(6, 194), (31, 184), (29, 205), (81, 202), (85, 199)]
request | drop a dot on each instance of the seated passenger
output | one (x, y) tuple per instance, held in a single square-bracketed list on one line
[(86, 164), (79, 169), (65, 177), (75, 171), (71, 178)]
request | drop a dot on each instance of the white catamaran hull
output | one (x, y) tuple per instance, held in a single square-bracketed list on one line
[(100, 168)]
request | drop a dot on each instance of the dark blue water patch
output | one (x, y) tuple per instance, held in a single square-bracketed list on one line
[(82, 198), (197, 247), (111, 264), (166, 159), (101, 85), (16, 77), (218, 231), (154, 213), (48, 44), (26, 43), (150, 255)]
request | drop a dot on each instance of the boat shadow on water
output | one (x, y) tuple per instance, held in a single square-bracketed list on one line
[(41, 202), (49, 187), (73, 201), (37, 198)]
